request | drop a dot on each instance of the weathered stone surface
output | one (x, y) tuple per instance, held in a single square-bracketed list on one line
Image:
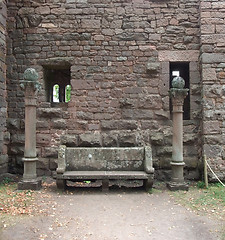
[(192, 174), (127, 140), (157, 139), (164, 163), (150, 102), (190, 138), (163, 175), (110, 140), (59, 124), (50, 152), (212, 127), (18, 139), (43, 139), (118, 125), (42, 124), (53, 164), (29, 185), (212, 57), (126, 36), (153, 67), (151, 124), (187, 55), (16, 150), (161, 114), (212, 151), (191, 162), (3, 159), (119, 57), (104, 164), (13, 123), (164, 151), (90, 140), (137, 114), (69, 140), (56, 61), (49, 112)]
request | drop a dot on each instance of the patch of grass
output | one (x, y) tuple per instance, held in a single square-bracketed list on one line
[(6, 180), (210, 202), (200, 184), (154, 190)]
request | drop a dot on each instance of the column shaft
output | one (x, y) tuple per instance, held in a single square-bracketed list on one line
[(177, 135), (30, 128)]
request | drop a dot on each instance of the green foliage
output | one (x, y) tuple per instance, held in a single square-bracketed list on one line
[(68, 93), (6, 180), (150, 191), (56, 93), (210, 200), (87, 182), (200, 184)]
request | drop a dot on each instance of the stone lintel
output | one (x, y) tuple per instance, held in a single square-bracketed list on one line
[(57, 62), (179, 56)]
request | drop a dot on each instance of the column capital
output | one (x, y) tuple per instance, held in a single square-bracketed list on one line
[(30, 81), (178, 92), (178, 95)]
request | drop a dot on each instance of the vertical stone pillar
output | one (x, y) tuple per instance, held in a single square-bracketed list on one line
[(178, 94), (31, 87)]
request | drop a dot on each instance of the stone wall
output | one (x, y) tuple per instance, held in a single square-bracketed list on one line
[(213, 79), (118, 53), (3, 105)]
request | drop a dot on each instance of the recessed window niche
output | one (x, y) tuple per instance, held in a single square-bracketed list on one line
[(181, 69), (57, 84)]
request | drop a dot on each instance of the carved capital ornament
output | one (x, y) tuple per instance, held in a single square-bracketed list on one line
[(30, 81)]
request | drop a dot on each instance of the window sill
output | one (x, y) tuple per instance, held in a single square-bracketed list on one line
[(59, 104)]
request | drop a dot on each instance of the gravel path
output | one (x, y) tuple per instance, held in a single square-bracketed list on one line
[(119, 214)]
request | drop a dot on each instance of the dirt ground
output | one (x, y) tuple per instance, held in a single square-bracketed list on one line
[(122, 214)]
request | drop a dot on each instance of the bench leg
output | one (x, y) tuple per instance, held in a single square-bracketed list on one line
[(148, 183), (61, 184), (105, 185)]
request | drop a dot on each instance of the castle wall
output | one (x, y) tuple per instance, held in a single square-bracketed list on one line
[(3, 104), (213, 78), (119, 55)]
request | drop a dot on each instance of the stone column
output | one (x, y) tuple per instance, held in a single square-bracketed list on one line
[(31, 87), (177, 94)]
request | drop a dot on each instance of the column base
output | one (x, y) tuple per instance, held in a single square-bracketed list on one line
[(31, 185), (174, 186)]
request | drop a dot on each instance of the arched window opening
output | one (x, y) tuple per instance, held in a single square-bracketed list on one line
[(55, 93), (67, 93)]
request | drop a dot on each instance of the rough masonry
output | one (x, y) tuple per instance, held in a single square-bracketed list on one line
[(3, 104), (119, 55)]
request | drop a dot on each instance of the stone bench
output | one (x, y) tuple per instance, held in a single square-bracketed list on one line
[(116, 163)]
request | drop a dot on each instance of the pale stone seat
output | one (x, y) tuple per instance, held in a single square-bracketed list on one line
[(85, 163)]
